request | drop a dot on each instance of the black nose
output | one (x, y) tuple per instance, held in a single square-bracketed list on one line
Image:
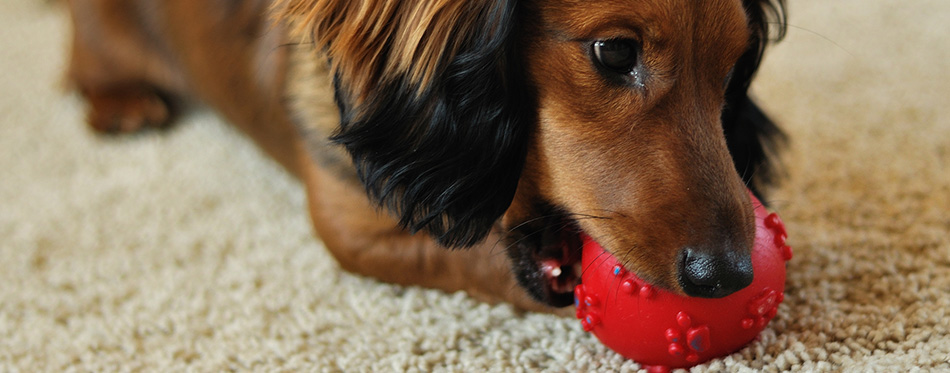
[(714, 275)]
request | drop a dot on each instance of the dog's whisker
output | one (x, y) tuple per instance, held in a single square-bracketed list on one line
[(818, 34), (532, 220), (524, 237)]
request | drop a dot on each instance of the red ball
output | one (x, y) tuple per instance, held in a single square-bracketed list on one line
[(662, 330)]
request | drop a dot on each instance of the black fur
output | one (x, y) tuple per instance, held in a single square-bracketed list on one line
[(447, 160), (750, 134)]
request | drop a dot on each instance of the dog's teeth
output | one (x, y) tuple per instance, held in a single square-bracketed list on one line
[(551, 267)]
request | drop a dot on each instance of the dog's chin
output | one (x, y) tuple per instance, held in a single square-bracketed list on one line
[(546, 258)]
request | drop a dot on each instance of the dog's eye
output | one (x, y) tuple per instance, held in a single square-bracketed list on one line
[(618, 55)]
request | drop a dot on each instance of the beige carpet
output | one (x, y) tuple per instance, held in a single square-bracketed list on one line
[(188, 250)]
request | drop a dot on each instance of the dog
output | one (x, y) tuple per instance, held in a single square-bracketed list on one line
[(469, 144)]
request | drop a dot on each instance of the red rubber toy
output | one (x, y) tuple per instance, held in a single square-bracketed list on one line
[(661, 330)]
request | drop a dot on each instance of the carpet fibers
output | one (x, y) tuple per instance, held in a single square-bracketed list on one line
[(187, 250)]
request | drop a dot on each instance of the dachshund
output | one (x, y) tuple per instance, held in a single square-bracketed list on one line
[(469, 144)]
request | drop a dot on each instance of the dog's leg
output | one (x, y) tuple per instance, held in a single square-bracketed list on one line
[(136, 61), (126, 108), (130, 68), (126, 81), (366, 241)]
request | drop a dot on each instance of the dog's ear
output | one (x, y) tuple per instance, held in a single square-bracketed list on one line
[(752, 137), (434, 110)]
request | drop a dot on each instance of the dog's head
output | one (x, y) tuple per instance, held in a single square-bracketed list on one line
[(545, 119)]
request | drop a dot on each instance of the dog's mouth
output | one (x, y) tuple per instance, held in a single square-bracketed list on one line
[(546, 258)]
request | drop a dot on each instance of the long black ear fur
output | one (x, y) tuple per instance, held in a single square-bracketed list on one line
[(446, 157), (751, 136)]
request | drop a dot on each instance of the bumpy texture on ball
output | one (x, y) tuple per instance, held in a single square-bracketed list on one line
[(662, 330)]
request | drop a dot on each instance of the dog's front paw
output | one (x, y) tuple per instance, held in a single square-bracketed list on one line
[(126, 109)]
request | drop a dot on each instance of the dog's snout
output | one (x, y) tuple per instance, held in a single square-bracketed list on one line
[(714, 275)]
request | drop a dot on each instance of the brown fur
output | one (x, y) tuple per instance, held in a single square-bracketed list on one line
[(419, 36), (650, 161)]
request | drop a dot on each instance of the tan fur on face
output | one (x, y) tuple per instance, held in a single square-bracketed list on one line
[(650, 158), (369, 41)]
